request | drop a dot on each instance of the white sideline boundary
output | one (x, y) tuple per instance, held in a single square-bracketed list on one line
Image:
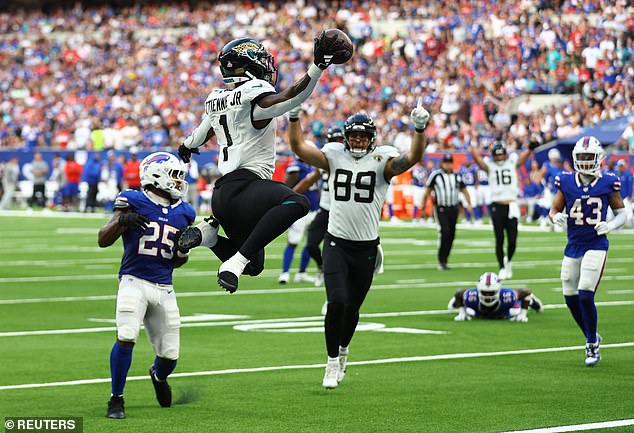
[(281, 319), (578, 427), (311, 366)]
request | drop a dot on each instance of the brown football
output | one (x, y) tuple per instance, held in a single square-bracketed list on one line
[(343, 46)]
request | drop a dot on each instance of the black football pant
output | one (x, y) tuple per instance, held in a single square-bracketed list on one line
[(315, 234), (39, 195), (446, 217), (348, 273), (252, 212), (502, 223)]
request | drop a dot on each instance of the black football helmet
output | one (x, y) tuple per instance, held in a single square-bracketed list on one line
[(334, 133), (498, 152), (245, 59), (360, 122)]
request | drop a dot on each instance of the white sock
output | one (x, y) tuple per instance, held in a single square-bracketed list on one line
[(209, 233), (333, 360), (235, 264), (343, 350)]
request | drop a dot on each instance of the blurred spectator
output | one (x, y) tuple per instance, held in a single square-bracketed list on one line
[(91, 174), (10, 176), (39, 170), (131, 178), (70, 192)]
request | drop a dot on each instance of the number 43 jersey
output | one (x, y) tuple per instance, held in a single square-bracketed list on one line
[(586, 205), (357, 191), (148, 255)]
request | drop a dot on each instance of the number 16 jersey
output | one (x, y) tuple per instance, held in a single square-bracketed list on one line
[(586, 205), (357, 191)]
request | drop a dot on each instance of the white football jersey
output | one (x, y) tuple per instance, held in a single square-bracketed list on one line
[(503, 181), (241, 145), (357, 191)]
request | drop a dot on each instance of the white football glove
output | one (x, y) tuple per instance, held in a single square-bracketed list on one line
[(293, 113), (420, 116), (462, 315), (560, 219), (603, 228), (520, 317)]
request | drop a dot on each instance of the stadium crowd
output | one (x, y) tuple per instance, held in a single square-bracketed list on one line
[(95, 78)]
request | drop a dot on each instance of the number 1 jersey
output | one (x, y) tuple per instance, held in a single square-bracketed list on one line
[(357, 191), (148, 255), (586, 205)]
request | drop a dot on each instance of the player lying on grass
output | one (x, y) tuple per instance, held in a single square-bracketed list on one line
[(149, 222), (489, 300)]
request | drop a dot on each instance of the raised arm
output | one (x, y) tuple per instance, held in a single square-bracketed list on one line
[(521, 160), (276, 104), (303, 185), (307, 153), (477, 158), (402, 163)]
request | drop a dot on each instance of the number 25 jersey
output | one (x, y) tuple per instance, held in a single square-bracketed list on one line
[(148, 255), (586, 205), (357, 191)]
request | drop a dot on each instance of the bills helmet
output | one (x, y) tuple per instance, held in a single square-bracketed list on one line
[(164, 171), (246, 59), (489, 289), (588, 155), (359, 122)]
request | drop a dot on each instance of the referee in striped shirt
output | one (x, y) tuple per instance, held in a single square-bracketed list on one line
[(446, 186)]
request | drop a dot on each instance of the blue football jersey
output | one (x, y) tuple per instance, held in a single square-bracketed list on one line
[(586, 205), (483, 177), (508, 300), (551, 173), (469, 174), (419, 176), (304, 170), (148, 255)]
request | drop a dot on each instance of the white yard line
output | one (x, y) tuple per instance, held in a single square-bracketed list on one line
[(311, 366), (309, 289), (282, 319), (579, 427)]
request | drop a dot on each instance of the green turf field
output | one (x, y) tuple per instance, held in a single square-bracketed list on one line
[(237, 375)]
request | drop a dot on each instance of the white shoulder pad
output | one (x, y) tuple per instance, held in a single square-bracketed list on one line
[(389, 151), (254, 88), (333, 146)]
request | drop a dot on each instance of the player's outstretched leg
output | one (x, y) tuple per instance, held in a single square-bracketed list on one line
[(274, 222), (159, 371), (204, 234)]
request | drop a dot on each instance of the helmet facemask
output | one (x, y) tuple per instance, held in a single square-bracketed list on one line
[(587, 156), (489, 289)]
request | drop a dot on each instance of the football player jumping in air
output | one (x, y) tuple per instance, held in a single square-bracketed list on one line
[(489, 300), (149, 221), (251, 207), (582, 202), (359, 177)]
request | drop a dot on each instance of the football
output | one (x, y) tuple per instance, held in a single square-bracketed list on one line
[(343, 48)]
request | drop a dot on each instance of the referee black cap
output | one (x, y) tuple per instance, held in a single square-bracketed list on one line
[(447, 157)]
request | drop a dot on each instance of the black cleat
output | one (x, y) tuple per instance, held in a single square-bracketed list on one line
[(115, 408), (162, 390), (228, 281)]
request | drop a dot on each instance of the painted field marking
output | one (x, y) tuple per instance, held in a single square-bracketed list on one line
[(579, 427), (311, 366), (278, 320)]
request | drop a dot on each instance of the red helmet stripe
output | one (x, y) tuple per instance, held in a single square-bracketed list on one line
[(488, 278), (586, 141)]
